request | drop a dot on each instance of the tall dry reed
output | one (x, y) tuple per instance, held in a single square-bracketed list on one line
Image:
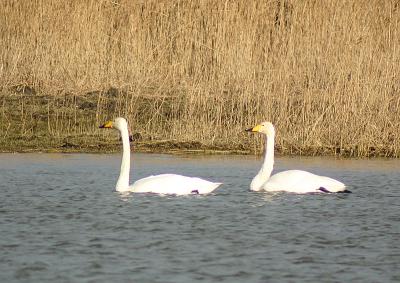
[(325, 72)]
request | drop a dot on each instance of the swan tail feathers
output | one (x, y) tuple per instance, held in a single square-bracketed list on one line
[(209, 188), (322, 189), (345, 191)]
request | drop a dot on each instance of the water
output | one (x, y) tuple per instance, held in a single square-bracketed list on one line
[(61, 221)]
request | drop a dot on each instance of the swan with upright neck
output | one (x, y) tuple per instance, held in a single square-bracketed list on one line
[(160, 184), (295, 181)]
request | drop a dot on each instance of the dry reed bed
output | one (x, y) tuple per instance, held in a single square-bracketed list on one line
[(325, 72)]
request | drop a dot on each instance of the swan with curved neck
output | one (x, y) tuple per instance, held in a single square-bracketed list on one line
[(161, 184), (295, 181)]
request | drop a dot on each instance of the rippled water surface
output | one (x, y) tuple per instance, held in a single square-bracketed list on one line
[(61, 221)]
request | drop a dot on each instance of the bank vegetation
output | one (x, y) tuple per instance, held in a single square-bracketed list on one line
[(194, 74)]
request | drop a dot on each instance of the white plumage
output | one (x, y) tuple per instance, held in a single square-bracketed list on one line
[(298, 181), (295, 181), (173, 184), (159, 184)]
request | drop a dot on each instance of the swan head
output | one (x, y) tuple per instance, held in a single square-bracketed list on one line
[(118, 123), (265, 128)]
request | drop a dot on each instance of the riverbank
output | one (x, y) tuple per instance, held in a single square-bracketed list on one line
[(195, 74), (92, 144), (33, 122)]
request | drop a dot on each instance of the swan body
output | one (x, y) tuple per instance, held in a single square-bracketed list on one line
[(173, 184), (295, 181), (298, 181), (159, 184)]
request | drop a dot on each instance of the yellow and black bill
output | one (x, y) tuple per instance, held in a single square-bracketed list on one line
[(254, 129), (107, 125)]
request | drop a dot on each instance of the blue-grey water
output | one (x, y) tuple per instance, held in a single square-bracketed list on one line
[(62, 221)]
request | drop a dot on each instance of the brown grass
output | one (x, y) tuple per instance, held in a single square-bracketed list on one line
[(325, 72)]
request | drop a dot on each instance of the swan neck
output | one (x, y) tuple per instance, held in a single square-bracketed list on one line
[(267, 166), (123, 180)]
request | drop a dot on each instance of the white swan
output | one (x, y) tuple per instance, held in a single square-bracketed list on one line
[(295, 181), (160, 184)]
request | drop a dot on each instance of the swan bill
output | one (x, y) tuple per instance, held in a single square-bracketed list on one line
[(254, 129), (108, 124)]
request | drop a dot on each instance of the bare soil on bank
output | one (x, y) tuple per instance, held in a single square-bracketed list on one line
[(32, 122)]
